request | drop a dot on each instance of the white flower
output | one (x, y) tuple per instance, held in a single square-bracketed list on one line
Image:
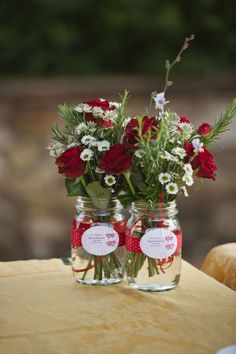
[(188, 179), (97, 112), (138, 153), (86, 155), (186, 130), (169, 157), (126, 121), (71, 145), (160, 100), (81, 128), (172, 188), (109, 180), (164, 178), (103, 145), (179, 152), (115, 104), (185, 191), (56, 149), (91, 126), (174, 174), (163, 115), (99, 170), (188, 169), (198, 146), (110, 115), (88, 139), (83, 107)]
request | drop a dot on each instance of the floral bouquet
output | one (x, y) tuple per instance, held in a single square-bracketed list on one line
[(113, 161)]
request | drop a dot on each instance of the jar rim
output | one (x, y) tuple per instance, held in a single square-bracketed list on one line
[(165, 208), (88, 204)]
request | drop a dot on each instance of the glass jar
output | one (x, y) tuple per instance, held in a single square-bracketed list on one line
[(153, 245), (98, 242)]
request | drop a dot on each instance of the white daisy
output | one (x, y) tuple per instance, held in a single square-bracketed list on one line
[(186, 130), (172, 188), (91, 126), (188, 180), (56, 149), (179, 152), (184, 189), (126, 121), (110, 115), (81, 128), (160, 100), (88, 139), (188, 169), (115, 104), (198, 146), (138, 153), (103, 145), (83, 107), (97, 112), (164, 178), (109, 180), (169, 157), (86, 155), (99, 170), (71, 145)]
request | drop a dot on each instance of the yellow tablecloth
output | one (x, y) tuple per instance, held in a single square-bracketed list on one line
[(44, 311)]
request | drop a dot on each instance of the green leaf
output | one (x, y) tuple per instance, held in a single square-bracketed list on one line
[(126, 199), (74, 188), (99, 195), (137, 180)]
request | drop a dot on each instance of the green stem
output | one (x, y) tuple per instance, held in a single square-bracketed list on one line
[(129, 182)]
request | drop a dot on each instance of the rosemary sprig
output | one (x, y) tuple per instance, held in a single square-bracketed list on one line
[(222, 125)]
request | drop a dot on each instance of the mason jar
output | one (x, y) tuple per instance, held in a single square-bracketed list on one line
[(98, 242), (153, 245)]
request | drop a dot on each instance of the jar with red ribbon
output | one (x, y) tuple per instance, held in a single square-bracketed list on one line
[(153, 245), (98, 242)]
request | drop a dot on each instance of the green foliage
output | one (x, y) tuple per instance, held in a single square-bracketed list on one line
[(99, 195), (222, 125), (58, 37), (74, 188)]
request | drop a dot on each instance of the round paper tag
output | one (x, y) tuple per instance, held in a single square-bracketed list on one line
[(100, 240), (158, 243)]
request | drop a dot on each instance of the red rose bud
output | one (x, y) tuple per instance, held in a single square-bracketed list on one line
[(116, 160), (204, 129), (205, 164), (131, 132), (184, 120), (70, 163), (105, 106)]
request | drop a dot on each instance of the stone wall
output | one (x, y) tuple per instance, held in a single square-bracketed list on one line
[(35, 214)]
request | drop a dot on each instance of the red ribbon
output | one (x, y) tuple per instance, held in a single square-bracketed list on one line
[(133, 243), (77, 233)]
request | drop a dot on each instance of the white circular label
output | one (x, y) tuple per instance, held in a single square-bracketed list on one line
[(158, 243), (100, 240)]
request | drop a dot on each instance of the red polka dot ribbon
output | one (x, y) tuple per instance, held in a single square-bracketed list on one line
[(132, 244), (78, 230)]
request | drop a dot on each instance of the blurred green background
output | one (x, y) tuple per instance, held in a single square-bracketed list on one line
[(87, 37)]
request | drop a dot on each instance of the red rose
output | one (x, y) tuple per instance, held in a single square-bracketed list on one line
[(131, 132), (105, 106), (116, 160), (204, 162), (70, 163), (189, 148), (184, 120), (204, 129)]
